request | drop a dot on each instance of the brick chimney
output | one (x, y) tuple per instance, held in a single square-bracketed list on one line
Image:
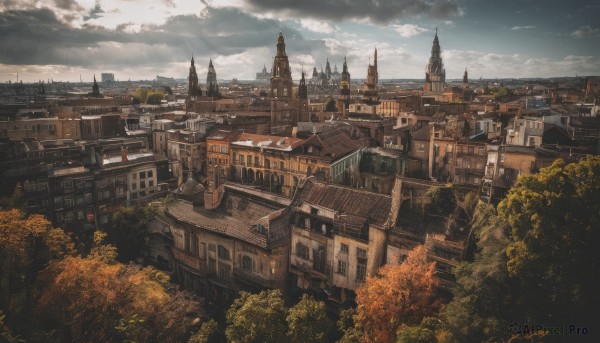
[(124, 154)]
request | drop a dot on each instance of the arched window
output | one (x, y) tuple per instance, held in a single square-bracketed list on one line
[(247, 264)]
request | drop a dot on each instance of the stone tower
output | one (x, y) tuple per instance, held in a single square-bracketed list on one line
[(283, 104), (344, 97), (371, 86), (212, 88), (465, 82), (435, 74), (95, 87), (303, 100), (281, 79), (193, 88), (328, 70)]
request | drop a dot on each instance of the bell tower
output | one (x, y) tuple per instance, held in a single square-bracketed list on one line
[(435, 74), (284, 107)]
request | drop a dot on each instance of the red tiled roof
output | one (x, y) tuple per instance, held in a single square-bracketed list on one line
[(335, 143), (225, 135), (349, 201)]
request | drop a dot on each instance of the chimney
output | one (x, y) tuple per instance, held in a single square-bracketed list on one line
[(124, 154)]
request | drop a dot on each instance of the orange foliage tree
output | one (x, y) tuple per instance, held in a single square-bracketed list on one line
[(27, 244), (89, 299), (401, 294)]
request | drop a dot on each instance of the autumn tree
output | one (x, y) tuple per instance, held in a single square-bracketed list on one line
[(307, 321), (90, 300), (400, 294), (27, 244), (257, 318)]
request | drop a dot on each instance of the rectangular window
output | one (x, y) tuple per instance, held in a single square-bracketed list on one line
[(142, 175), (342, 268), (302, 251), (150, 174), (361, 253), (344, 248), (224, 272), (223, 253), (361, 272)]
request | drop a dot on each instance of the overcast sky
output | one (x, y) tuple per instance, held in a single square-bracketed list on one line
[(139, 39)]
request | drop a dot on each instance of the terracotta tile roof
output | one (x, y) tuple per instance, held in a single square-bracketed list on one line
[(335, 143), (217, 222), (225, 135), (423, 134), (355, 203)]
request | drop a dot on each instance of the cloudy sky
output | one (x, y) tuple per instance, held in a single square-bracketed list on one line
[(139, 39)]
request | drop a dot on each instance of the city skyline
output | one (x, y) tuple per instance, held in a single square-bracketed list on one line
[(64, 39)]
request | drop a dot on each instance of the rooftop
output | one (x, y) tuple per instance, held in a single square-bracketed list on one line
[(348, 201), (268, 142), (219, 222)]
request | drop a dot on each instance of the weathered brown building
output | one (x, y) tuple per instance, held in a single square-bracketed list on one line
[(241, 244)]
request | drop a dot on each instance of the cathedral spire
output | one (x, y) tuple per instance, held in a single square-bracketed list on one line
[(95, 87), (435, 75), (302, 89), (280, 45), (193, 89), (375, 59)]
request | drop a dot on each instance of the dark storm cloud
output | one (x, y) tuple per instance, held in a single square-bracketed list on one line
[(67, 4), (378, 11), (37, 37)]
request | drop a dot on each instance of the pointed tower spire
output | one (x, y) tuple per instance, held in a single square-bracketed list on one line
[(435, 75), (302, 89), (375, 62)]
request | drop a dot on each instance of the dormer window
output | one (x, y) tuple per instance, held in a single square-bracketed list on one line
[(310, 149)]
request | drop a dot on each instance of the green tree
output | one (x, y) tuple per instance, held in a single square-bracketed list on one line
[(209, 333), (128, 231), (307, 321), (554, 222), (154, 97), (346, 326), (424, 333), (141, 94), (481, 305), (257, 318), (331, 106)]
